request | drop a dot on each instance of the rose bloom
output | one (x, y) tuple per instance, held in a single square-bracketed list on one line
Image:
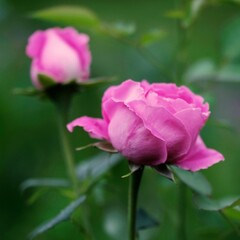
[(61, 54), (153, 124)]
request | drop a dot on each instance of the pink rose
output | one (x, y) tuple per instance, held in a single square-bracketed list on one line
[(153, 124), (61, 54)]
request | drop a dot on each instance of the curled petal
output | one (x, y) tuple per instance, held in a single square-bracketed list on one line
[(125, 92), (97, 128), (200, 157)]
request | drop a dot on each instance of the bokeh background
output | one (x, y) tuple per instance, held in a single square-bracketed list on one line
[(29, 144)]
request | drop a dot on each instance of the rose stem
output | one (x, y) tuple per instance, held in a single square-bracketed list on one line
[(182, 212), (61, 96), (134, 184)]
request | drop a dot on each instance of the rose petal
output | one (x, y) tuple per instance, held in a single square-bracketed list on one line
[(200, 157), (97, 128), (164, 126), (125, 92), (128, 135), (59, 59), (35, 44), (193, 121), (79, 42)]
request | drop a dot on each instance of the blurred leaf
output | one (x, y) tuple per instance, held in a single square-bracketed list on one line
[(97, 166), (223, 123), (196, 181), (44, 182), (145, 221), (95, 81), (62, 216), (75, 16), (104, 146), (163, 170), (196, 6), (46, 81), (205, 203), (229, 73), (206, 70), (176, 14), (202, 70), (119, 29), (152, 36), (230, 40), (233, 213)]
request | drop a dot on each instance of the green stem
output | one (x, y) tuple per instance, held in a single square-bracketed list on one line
[(61, 97), (68, 156), (182, 212), (134, 184)]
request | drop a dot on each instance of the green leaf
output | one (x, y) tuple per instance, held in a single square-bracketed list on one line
[(46, 81), (201, 70), (64, 215), (145, 221), (206, 70), (119, 29), (44, 182), (76, 16), (97, 166), (196, 181), (96, 81), (163, 170), (152, 36), (206, 203)]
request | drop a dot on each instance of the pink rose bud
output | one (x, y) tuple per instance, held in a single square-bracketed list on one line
[(152, 124), (61, 54)]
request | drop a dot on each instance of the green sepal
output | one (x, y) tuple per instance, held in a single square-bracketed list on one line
[(164, 171), (104, 146)]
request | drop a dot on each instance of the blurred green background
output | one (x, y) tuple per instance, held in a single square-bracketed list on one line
[(29, 144)]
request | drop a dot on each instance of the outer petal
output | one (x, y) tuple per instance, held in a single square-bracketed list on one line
[(200, 157), (193, 120), (35, 44), (128, 135), (165, 126), (97, 128), (79, 42)]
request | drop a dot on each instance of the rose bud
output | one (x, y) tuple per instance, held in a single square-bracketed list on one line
[(60, 54)]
